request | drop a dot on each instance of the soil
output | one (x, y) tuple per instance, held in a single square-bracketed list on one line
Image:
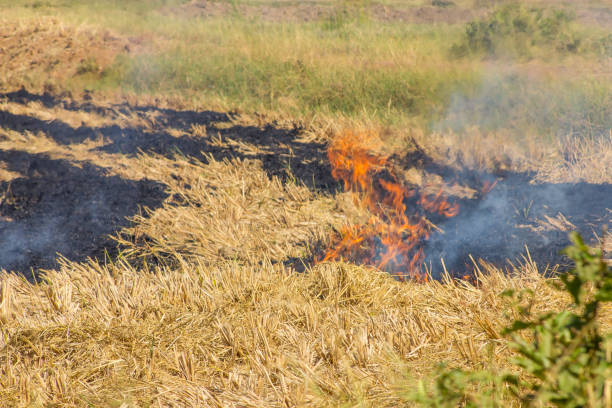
[(46, 48), (72, 206), (57, 206), (437, 11), (310, 11)]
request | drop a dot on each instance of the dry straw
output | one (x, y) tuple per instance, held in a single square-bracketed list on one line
[(226, 324)]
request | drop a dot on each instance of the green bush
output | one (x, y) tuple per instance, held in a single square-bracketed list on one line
[(88, 66), (603, 46), (567, 363), (515, 30)]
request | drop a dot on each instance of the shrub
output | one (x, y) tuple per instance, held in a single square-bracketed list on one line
[(514, 30), (88, 66), (603, 46), (568, 361)]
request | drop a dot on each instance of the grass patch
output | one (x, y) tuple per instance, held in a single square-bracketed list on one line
[(524, 108), (352, 66), (302, 70)]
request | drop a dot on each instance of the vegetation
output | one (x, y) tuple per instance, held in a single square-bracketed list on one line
[(567, 360), (351, 66), (518, 31), (213, 296)]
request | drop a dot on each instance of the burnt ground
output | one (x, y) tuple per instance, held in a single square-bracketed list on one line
[(57, 206), (73, 205), (516, 220), (278, 148)]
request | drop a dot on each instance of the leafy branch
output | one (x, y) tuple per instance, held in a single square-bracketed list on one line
[(568, 361)]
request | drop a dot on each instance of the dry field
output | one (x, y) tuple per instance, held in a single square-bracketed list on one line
[(191, 238)]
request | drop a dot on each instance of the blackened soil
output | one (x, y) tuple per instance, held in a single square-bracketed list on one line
[(71, 208), (517, 220), (510, 224), (56, 207), (278, 148)]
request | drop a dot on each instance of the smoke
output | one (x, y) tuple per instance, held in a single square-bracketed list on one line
[(56, 206), (499, 227), (25, 245), (531, 104), (495, 225), (520, 213)]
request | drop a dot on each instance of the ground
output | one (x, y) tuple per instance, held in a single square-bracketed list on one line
[(166, 194)]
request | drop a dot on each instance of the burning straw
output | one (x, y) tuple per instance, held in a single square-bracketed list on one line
[(392, 238)]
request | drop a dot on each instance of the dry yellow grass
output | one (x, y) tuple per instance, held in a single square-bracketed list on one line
[(205, 307), (226, 324), (231, 211), (234, 335)]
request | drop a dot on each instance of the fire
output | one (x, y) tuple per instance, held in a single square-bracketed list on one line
[(392, 238), (487, 187)]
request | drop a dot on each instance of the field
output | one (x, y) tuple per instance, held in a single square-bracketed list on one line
[(252, 203)]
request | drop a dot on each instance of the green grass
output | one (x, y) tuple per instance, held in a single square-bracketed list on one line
[(354, 67), (383, 71), (302, 70), (545, 108)]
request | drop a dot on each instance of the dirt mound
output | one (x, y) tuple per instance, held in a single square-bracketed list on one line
[(46, 48)]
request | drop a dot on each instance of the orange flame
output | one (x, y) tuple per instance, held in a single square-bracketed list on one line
[(487, 186), (391, 239)]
